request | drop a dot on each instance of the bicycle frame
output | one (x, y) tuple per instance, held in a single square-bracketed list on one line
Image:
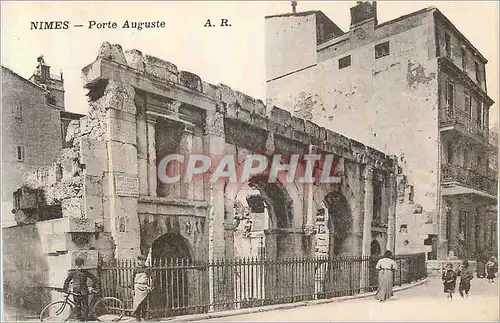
[(66, 301)]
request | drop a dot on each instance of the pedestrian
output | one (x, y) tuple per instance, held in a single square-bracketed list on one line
[(142, 275), (491, 269), (386, 268), (79, 278), (465, 279), (480, 269), (449, 280)]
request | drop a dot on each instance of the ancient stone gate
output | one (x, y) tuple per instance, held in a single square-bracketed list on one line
[(143, 108)]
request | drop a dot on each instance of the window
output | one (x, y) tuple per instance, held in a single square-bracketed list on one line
[(20, 153), (478, 161), (411, 194), (345, 61), (478, 72), (18, 110), (464, 59), (403, 228), (466, 157), (50, 99), (486, 117), (382, 50), (447, 45), (479, 113), (449, 153), (468, 104), (450, 97)]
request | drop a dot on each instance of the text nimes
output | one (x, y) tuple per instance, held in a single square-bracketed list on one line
[(93, 24)]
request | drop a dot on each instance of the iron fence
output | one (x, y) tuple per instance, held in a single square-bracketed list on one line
[(182, 286)]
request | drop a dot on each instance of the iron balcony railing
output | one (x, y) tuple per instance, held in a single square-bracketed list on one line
[(182, 286), (472, 178), (460, 119)]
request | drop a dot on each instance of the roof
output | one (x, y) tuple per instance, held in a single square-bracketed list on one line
[(409, 15), (22, 78), (448, 22), (320, 16), (298, 14)]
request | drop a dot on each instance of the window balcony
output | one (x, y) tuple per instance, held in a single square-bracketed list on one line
[(456, 180), (456, 119)]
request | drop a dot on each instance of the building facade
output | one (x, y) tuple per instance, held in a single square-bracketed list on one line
[(31, 128), (103, 198), (414, 87)]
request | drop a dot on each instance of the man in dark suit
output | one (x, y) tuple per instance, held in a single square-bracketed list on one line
[(79, 278)]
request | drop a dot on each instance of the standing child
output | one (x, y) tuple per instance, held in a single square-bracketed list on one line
[(465, 278), (491, 270), (449, 280)]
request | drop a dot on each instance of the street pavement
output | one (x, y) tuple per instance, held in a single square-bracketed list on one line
[(426, 302)]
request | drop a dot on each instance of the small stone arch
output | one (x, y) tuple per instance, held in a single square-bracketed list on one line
[(375, 249), (172, 287), (339, 223)]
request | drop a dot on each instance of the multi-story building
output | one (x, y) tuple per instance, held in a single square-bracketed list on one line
[(414, 87), (32, 126)]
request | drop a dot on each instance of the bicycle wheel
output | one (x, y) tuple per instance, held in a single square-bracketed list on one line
[(108, 309), (59, 311)]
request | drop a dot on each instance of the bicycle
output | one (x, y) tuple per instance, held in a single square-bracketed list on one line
[(105, 309)]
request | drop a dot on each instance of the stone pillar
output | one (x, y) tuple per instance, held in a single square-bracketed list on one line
[(123, 181), (152, 176), (185, 149), (480, 225), (368, 210), (443, 243), (214, 144), (367, 182), (453, 243), (471, 236), (309, 219), (142, 143), (391, 224)]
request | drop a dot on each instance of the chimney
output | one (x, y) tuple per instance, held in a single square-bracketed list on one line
[(43, 70), (364, 11), (294, 6)]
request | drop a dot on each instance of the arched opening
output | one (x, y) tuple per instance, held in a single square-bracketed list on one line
[(339, 224), (261, 211), (334, 221), (170, 285), (375, 249)]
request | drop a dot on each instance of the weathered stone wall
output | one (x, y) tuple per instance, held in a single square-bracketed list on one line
[(291, 34), (359, 101), (37, 130), (227, 114)]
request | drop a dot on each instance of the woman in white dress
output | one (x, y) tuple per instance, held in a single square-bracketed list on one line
[(386, 268)]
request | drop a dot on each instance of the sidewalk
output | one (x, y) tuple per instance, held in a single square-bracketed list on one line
[(206, 316)]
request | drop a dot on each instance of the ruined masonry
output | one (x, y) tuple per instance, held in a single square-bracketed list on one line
[(102, 200)]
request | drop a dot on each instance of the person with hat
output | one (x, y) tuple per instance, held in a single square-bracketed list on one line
[(142, 276), (78, 277), (466, 276), (449, 280), (491, 269)]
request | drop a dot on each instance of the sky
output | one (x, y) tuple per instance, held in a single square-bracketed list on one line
[(230, 55)]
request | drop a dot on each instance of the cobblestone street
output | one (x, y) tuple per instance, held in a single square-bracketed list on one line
[(423, 303)]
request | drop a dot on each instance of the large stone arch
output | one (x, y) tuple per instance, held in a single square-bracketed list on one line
[(285, 223)]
